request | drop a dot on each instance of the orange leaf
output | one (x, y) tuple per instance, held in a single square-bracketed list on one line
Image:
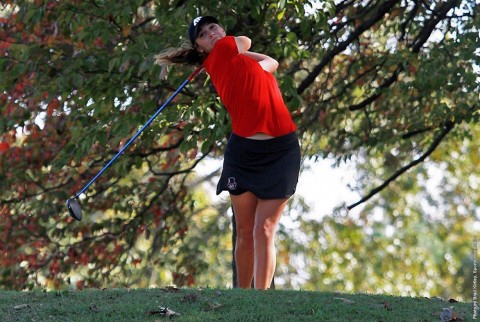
[(126, 30), (4, 146)]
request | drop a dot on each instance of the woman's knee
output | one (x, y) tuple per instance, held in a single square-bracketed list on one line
[(245, 234), (264, 230)]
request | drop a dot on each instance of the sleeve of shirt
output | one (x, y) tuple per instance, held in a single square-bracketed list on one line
[(226, 47)]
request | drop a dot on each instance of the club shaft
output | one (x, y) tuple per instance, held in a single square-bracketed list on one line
[(159, 110)]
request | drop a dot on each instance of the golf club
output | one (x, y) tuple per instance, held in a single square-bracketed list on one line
[(72, 204)]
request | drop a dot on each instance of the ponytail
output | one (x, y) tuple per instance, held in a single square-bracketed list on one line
[(185, 55)]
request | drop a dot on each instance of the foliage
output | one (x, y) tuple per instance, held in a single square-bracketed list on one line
[(383, 83), (398, 94), (78, 79)]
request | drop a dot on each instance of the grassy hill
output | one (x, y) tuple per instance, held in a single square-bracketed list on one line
[(223, 305)]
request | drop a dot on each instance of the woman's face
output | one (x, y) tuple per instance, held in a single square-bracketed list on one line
[(208, 36)]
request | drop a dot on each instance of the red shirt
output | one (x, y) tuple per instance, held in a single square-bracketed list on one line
[(250, 94)]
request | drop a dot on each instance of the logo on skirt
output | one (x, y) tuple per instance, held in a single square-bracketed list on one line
[(231, 183)]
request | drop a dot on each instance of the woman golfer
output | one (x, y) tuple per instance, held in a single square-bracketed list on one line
[(262, 157)]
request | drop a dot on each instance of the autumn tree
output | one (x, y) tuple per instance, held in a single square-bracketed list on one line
[(77, 80), (385, 83)]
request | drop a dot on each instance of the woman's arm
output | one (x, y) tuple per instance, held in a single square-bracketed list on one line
[(243, 44), (268, 63)]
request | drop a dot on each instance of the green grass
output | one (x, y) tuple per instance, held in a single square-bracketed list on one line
[(219, 305)]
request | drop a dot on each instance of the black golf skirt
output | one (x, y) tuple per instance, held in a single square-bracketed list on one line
[(267, 168)]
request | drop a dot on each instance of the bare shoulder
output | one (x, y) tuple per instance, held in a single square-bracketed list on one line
[(243, 43)]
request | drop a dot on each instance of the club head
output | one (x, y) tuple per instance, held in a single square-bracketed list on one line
[(74, 209)]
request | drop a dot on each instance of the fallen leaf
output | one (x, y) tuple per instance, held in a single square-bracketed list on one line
[(165, 312), (346, 301), (94, 307), (153, 312), (387, 306), (190, 297), (213, 306), (21, 306), (448, 314), (171, 289)]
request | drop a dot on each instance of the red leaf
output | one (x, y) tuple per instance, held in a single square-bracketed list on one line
[(84, 259), (52, 106), (54, 267), (136, 261), (4, 146), (80, 285)]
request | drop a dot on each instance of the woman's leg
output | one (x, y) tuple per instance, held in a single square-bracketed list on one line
[(267, 216), (244, 207)]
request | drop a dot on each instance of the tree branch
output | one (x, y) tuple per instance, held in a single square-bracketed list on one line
[(380, 12), (446, 129), (421, 39), (416, 132)]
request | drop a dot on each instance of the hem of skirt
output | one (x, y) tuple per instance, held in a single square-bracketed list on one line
[(260, 196)]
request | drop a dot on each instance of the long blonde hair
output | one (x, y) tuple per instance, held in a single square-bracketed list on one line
[(185, 55)]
